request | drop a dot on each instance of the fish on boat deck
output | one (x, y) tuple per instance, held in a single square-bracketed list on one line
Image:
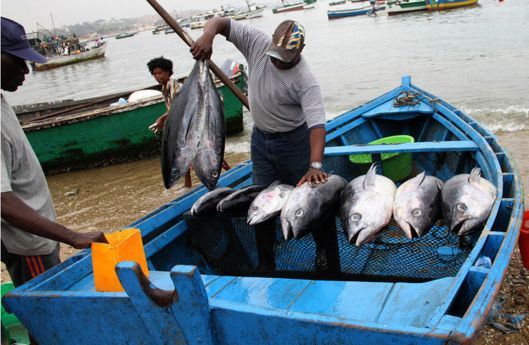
[(417, 204), (467, 201), (268, 202), (366, 206), (309, 204)]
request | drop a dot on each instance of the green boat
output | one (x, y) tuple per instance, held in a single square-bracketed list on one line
[(73, 135), (405, 6)]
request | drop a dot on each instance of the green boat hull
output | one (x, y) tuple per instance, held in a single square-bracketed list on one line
[(109, 135)]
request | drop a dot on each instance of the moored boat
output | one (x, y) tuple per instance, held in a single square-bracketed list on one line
[(405, 6), (90, 132), (125, 35), (289, 7), (203, 283), (436, 5), (353, 11), (95, 52)]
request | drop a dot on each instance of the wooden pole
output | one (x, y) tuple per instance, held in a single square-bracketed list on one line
[(189, 41)]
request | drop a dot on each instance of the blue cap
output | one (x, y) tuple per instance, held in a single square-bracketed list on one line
[(14, 42)]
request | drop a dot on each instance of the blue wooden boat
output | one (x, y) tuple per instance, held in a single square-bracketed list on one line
[(351, 12), (203, 286)]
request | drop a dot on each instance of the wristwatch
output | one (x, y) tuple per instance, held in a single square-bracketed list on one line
[(316, 165)]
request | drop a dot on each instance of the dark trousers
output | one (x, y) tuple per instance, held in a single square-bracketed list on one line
[(286, 157), (22, 268)]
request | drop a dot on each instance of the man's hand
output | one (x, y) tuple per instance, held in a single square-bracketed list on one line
[(84, 239), (313, 176), (203, 47)]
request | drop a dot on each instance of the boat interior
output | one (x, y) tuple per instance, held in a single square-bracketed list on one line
[(425, 282)]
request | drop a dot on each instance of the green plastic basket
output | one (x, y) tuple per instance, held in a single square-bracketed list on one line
[(396, 166)]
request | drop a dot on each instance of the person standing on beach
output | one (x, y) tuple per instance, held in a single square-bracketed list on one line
[(162, 70), (30, 234), (286, 104)]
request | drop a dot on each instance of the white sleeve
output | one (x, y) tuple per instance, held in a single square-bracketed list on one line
[(5, 159)]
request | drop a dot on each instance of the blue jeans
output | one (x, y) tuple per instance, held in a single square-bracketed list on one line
[(280, 156)]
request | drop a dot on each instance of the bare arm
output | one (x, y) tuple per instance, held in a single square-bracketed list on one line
[(203, 46), (17, 213), (317, 145)]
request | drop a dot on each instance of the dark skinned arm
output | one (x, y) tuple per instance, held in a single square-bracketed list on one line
[(317, 145), (18, 213), (203, 46)]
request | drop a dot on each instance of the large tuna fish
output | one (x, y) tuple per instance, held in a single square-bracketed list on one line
[(366, 206), (268, 202), (237, 203), (309, 204), (194, 131), (208, 202), (417, 204), (467, 201)]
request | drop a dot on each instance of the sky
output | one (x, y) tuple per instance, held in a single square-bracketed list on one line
[(31, 12)]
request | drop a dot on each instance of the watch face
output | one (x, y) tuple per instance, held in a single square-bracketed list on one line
[(316, 165)]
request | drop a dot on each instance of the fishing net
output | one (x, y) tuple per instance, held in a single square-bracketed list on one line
[(391, 257)]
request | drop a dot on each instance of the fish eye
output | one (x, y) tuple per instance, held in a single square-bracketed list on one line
[(416, 212), (461, 207), (215, 174), (356, 217), (299, 213), (253, 208)]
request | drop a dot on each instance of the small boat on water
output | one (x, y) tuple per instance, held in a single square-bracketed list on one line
[(79, 134), (355, 10), (254, 11), (405, 6), (96, 52), (125, 35), (203, 281), (436, 5), (289, 7)]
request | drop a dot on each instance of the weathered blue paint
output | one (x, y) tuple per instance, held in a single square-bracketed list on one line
[(187, 298)]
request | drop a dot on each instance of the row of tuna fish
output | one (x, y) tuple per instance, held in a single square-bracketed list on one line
[(366, 204), (194, 133)]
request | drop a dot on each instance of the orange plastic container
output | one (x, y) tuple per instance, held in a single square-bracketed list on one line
[(125, 245), (523, 240)]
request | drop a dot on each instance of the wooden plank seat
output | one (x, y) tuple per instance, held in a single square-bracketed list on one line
[(426, 146)]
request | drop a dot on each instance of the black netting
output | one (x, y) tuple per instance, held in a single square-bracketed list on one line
[(392, 256)]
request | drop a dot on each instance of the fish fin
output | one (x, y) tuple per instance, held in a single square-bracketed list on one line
[(275, 183), (419, 179), (474, 176), (369, 180), (439, 183)]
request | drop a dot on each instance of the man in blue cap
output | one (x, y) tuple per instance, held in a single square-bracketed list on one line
[(30, 234)]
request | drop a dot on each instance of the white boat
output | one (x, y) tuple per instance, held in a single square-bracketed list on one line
[(75, 57)]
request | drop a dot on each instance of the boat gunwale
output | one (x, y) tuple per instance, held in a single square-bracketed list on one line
[(109, 110)]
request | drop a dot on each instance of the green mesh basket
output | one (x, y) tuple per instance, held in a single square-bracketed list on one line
[(396, 166)]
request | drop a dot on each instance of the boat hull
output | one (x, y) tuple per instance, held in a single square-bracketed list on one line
[(435, 5), (334, 14), (399, 7), (289, 8), (427, 290), (95, 53), (108, 134)]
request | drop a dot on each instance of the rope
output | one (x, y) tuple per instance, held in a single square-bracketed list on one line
[(406, 98)]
